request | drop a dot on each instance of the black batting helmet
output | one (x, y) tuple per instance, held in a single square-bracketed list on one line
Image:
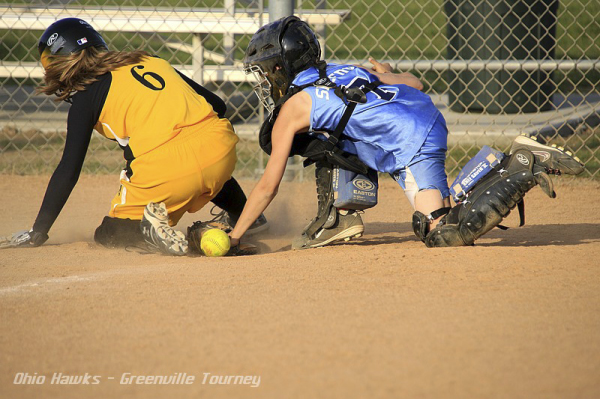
[(68, 36)]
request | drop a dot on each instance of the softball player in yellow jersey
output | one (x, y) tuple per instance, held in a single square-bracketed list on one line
[(179, 148), (180, 152)]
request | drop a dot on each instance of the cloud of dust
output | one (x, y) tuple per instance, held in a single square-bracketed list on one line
[(286, 220)]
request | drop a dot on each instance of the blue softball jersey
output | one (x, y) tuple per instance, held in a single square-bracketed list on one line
[(385, 132)]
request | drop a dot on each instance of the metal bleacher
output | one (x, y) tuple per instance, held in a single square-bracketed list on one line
[(198, 22)]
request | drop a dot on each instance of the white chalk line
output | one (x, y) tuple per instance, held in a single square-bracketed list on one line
[(55, 282)]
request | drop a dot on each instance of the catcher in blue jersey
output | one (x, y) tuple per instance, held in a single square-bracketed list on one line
[(349, 117)]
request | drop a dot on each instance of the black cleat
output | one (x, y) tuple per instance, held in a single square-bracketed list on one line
[(348, 225), (555, 159)]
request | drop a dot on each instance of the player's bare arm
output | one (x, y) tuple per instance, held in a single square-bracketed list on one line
[(385, 75), (294, 118)]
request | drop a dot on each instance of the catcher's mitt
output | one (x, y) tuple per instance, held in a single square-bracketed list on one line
[(194, 236), (195, 231), (243, 248)]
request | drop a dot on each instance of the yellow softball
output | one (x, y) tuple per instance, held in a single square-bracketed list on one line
[(215, 242)]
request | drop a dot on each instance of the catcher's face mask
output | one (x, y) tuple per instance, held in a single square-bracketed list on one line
[(275, 54), (263, 87), (272, 81)]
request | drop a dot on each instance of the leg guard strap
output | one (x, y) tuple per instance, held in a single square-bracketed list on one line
[(421, 221)]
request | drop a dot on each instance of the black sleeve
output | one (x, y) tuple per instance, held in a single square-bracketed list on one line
[(83, 115), (217, 103)]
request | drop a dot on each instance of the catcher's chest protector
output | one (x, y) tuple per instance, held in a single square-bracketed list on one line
[(488, 203)]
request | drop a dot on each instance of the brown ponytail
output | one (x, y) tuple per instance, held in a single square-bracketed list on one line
[(68, 74)]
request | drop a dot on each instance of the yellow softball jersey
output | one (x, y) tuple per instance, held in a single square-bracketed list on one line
[(149, 104)]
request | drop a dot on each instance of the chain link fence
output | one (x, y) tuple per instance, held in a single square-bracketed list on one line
[(495, 68)]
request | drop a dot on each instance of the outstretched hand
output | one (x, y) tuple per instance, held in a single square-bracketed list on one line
[(379, 67), (23, 239)]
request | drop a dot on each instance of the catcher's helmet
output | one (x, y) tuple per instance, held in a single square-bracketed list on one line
[(68, 36), (277, 53)]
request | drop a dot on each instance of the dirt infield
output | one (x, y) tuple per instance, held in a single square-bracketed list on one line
[(516, 316)]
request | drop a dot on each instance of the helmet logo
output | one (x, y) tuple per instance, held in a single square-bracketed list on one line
[(52, 39), (363, 184), (523, 159), (82, 41)]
